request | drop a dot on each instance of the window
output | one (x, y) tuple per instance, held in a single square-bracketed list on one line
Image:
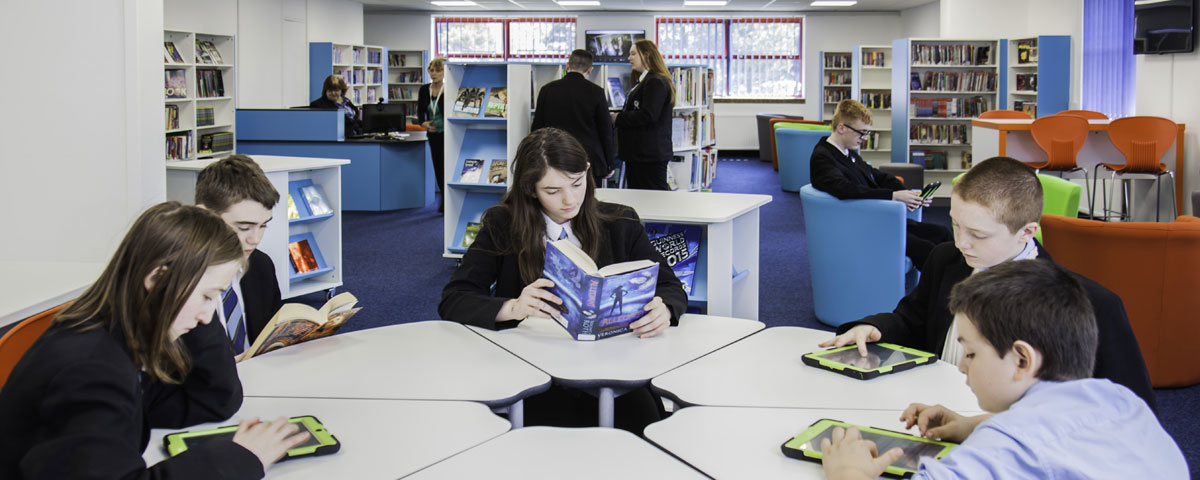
[(751, 57), (500, 39), (470, 38), (541, 39)]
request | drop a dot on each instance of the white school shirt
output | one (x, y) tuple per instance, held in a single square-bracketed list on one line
[(554, 230), (952, 350), (241, 305)]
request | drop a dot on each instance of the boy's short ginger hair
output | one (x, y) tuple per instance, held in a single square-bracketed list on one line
[(1036, 301), (849, 110), (232, 179), (1007, 187)]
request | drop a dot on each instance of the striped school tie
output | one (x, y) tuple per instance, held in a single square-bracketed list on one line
[(235, 321)]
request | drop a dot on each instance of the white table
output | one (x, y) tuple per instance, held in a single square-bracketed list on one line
[(432, 360), (550, 452), (380, 438), (617, 364), (29, 288), (765, 370), (730, 240), (736, 443)]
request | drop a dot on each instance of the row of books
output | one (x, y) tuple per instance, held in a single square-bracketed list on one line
[(948, 134), (708, 128), (834, 95), (472, 172), (354, 77), (401, 93), (960, 54), (687, 90), (876, 100), (210, 83), (172, 114), (372, 95), (837, 79), (339, 53), (355, 96), (874, 59), (313, 202), (376, 76), (1027, 107), (1027, 51), (708, 165), (685, 129), (837, 61), (408, 77), (374, 57), (939, 159), (400, 60), (872, 142), (215, 142), (179, 145), (474, 101), (205, 116), (951, 107), (207, 53), (1027, 82), (175, 82), (953, 81)]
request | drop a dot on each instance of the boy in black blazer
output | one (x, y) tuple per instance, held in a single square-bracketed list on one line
[(578, 106)]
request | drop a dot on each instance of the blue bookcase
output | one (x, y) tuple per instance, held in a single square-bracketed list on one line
[(364, 67), (1039, 74)]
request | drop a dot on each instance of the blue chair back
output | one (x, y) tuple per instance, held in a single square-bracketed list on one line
[(855, 255), (794, 147)]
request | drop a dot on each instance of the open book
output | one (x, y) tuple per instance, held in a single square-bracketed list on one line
[(298, 323), (597, 302)]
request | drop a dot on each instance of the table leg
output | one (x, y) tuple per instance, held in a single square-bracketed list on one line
[(516, 414), (606, 407)]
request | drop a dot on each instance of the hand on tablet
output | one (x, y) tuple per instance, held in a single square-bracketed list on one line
[(655, 321), (268, 441), (534, 300), (860, 335), (940, 423), (848, 456)]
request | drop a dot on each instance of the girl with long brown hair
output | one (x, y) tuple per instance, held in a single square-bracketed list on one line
[(644, 124)]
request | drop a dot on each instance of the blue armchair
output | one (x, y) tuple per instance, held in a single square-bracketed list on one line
[(794, 145), (856, 255)]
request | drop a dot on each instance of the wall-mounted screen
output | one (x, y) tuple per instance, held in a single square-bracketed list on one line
[(1164, 26), (612, 45)]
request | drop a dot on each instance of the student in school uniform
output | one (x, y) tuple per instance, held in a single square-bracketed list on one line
[(838, 169), (333, 96), (431, 115), (576, 105), (500, 281), (136, 351), (644, 124), (995, 209), (236, 189), (1030, 337)]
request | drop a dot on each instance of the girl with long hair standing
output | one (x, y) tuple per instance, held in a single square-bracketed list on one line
[(644, 125)]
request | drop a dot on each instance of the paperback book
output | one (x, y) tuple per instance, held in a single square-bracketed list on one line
[(171, 54), (298, 323), (470, 234), (293, 213), (302, 257), (176, 83), (497, 105), (498, 172), (616, 94), (315, 198), (597, 302), (471, 171), (469, 101), (680, 247)]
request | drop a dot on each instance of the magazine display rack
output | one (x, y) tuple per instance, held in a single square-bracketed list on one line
[(871, 84), (364, 67), (200, 82)]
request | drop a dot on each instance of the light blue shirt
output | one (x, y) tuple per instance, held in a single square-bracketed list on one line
[(1089, 428)]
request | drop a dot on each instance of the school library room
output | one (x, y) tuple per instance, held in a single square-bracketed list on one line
[(697, 238)]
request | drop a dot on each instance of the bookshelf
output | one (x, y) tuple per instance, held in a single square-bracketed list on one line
[(406, 74), (938, 86), (199, 77), (1039, 74), (364, 67), (481, 138), (871, 84), (836, 81)]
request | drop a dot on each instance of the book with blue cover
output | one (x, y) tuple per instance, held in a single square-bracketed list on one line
[(680, 246), (597, 302)]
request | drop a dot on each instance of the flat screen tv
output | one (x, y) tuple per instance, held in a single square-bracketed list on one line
[(612, 46), (1164, 26), (384, 117)]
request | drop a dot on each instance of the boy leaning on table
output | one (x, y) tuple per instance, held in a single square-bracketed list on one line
[(1029, 341)]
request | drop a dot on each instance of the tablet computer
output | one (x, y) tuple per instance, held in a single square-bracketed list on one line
[(881, 359), (320, 441), (807, 445), (929, 189)]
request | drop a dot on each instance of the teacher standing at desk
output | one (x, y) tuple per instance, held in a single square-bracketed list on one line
[(644, 125), (430, 107), (335, 99)]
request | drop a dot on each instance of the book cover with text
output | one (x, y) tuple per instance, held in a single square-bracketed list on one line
[(597, 302), (680, 247), (472, 170), (497, 104), (469, 101)]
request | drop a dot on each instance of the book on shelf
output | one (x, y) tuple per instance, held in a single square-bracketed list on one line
[(952, 54), (497, 104), (976, 81), (172, 114), (942, 133), (616, 94), (215, 142), (873, 59), (170, 53), (374, 57), (205, 116), (597, 302), (837, 60), (209, 83), (498, 172), (175, 82), (303, 255), (469, 101), (314, 197), (397, 59), (298, 323), (679, 245), (1027, 51), (472, 170), (951, 107), (876, 100), (179, 145), (292, 212), (470, 233), (1027, 107), (930, 159), (207, 53), (1027, 82)]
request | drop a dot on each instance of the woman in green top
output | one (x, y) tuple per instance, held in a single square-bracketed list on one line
[(430, 108)]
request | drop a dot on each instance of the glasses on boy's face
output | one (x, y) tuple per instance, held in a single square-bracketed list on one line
[(861, 133)]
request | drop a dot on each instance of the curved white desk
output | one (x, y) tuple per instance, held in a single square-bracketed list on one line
[(380, 438), (765, 370)]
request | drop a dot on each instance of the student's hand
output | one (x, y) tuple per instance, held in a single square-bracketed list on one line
[(940, 423), (848, 456), (534, 300), (655, 321), (860, 334), (610, 174), (909, 198), (268, 441)]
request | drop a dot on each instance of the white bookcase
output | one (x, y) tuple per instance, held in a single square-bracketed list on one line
[(836, 73), (364, 67), (406, 74), (872, 85), (203, 106)]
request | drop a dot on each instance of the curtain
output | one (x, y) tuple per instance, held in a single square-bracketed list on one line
[(1109, 76)]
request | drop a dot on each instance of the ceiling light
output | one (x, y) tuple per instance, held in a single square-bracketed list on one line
[(833, 3), (578, 3), (454, 3), (705, 3)]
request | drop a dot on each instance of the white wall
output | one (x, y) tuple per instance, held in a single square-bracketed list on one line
[(337, 21), (1166, 88), (81, 146), (921, 22), (404, 31)]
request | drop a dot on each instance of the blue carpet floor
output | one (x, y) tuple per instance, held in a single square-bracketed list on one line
[(393, 264)]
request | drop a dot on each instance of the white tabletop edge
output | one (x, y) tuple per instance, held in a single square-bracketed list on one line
[(269, 163)]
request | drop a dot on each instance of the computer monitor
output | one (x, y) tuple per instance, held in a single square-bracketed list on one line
[(611, 45), (384, 117)]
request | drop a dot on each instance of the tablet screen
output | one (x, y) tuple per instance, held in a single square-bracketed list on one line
[(877, 356), (192, 442), (913, 450)]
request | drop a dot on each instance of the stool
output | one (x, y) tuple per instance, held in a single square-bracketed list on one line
[(1143, 140)]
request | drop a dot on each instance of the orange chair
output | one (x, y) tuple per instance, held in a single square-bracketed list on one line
[(22, 335), (771, 128), (1154, 268), (1087, 114), (1005, 114), (1061, 137), (1143, 141)]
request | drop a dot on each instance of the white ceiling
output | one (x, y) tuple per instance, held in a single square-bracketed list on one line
[(639, 6)]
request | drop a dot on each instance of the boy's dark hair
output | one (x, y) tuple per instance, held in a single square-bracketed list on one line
[(1007, 187), (1036, 301), (232, 179), (580, 60)]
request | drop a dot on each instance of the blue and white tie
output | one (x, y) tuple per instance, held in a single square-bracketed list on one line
[(235, 321)]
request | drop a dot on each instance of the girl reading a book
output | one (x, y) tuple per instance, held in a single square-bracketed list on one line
[(500, 281), (137, 351)]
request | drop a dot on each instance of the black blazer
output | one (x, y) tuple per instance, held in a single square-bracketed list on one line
[(467, 298), (644, 126), (75, 406), (260, 293), (835, 174), (423, 99), (578, 106), (354, 126), (922, 318)]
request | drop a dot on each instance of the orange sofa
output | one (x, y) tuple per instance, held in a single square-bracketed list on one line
[(1155, 269)]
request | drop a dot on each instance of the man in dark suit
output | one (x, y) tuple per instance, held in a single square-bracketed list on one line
[(837, 169), (578, 106)]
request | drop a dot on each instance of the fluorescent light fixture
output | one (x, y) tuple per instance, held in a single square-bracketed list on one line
[(705, 3), (454, 3), (578, 3), (833, 3)]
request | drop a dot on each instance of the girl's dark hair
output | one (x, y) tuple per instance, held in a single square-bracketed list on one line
[(176, 244), (545, 148)]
